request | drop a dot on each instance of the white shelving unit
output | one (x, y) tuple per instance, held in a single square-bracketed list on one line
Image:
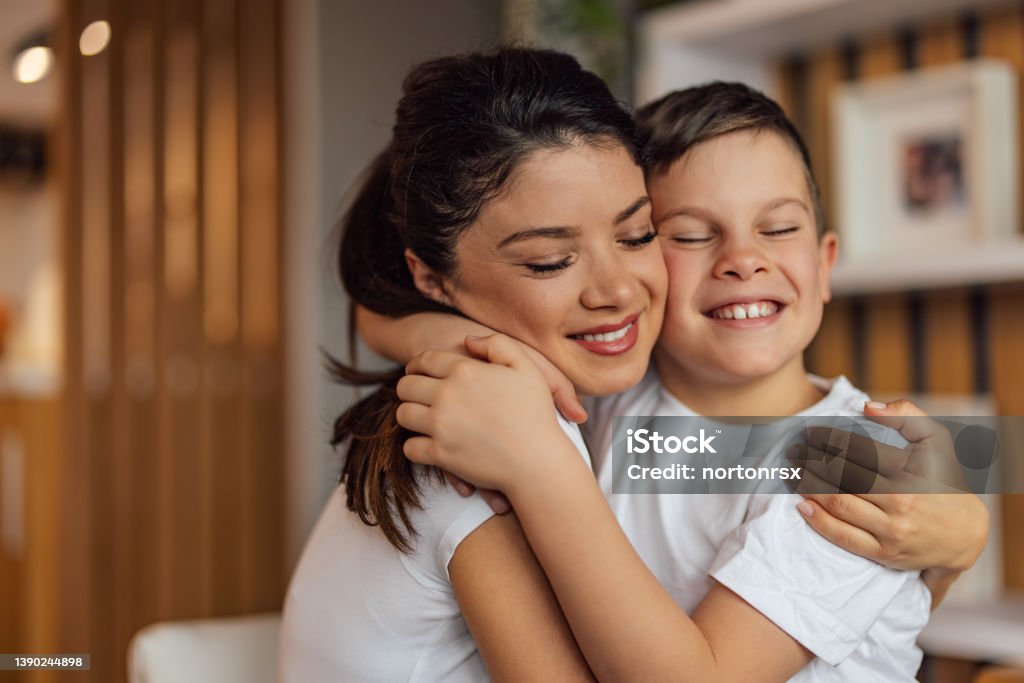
[(980, 265), (682, 45)]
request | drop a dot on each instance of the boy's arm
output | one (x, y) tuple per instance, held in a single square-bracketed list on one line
[(401, 339), (628, 627), (509, 607)]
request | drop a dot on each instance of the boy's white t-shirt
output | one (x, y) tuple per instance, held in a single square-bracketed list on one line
[(859, 618), (357, 609)]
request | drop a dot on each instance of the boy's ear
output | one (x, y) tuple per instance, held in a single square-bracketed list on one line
[(430, 284), (828, 250)]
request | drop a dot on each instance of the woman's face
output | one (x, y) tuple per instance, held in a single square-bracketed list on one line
[(565, 260)]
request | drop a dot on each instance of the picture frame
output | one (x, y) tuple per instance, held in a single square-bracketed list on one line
[(927, 161)]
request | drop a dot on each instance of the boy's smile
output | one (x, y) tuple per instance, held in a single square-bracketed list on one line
[(748, 274)]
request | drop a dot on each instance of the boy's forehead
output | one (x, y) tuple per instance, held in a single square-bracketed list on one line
[(739, 167)]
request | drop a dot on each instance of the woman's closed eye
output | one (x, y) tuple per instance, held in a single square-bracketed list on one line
[(640, 242), (547, 268)]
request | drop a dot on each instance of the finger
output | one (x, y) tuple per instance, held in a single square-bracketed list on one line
[(499, 349), (462, 486), (497, 500), (415, 417), (439, 364), (868, 453), (562, 390), (839, 532), (809, 482), (840, 474), (852, 510), (419, 449), (906, 418), (418, 389)]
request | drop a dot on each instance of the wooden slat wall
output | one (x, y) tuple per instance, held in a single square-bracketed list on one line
[(172, 495), (959, 340)]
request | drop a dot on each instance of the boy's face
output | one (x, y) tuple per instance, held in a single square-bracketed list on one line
[(748, 276)]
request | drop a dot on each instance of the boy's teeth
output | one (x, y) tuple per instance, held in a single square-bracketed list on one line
[(760, 309), (606, 336)]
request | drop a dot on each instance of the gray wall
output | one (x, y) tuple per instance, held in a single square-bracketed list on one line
[(345, 62)]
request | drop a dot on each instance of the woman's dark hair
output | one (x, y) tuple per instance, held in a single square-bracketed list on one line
[(671, 126), (463, 125)]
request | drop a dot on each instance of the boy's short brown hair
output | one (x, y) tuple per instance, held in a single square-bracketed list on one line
[(672, 125)]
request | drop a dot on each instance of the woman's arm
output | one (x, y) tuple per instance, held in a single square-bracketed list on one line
[(940, 533), (510, 609), (625, 623)]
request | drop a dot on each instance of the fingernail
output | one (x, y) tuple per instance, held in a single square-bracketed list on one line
[(875, 405), (473, 337), (500, 506), (463, 489), (805, 508)]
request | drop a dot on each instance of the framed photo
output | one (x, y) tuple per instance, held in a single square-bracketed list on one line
[(927, 161)]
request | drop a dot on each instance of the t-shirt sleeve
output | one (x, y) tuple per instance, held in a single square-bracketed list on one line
[(823, 596), (445, 520)]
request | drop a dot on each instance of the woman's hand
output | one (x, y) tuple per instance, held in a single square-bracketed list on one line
[(941, 532), (462, 408)]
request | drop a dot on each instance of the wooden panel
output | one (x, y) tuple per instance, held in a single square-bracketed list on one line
[(224, 463), (1007, 333), (940, 43), (832, 352), (949, 351), (172, 493), (261, 317), (888, 363), (880, 56), (824, 73)]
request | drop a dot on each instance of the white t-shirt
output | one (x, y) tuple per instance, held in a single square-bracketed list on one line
[(357, 609), (860, 619)]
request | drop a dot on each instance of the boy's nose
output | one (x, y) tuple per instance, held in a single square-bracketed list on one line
[(741, 263)]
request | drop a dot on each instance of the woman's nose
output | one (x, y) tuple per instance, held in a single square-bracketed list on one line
[(611, 286)]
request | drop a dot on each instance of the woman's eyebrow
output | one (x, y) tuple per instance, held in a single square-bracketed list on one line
[(626, 213), (559, 232)]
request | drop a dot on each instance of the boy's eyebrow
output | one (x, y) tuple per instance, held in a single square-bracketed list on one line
[(629, 211), (703, 215), (554, 232), (783, 201)]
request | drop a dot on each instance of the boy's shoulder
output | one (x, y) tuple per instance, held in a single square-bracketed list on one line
[(841, 397)]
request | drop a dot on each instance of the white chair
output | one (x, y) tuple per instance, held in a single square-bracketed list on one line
[(225, 650)]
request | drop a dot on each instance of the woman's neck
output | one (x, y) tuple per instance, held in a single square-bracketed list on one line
[(787, 391)]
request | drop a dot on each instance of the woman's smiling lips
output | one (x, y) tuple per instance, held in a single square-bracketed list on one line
[(610, 340)]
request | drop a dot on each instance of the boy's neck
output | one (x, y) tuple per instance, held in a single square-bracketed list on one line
[(786, 392)]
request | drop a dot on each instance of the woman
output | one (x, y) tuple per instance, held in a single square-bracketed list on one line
[(495, 160)]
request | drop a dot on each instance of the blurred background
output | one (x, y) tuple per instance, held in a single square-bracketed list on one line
[(170, 174)]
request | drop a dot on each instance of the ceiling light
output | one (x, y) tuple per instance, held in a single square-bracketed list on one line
[(32, 64), (94, 38)]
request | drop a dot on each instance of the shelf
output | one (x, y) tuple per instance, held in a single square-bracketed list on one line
[(921, 270), (28, 381), (759, 28), (986, 632)]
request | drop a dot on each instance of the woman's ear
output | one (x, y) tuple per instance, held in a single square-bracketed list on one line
[(430, 284)]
